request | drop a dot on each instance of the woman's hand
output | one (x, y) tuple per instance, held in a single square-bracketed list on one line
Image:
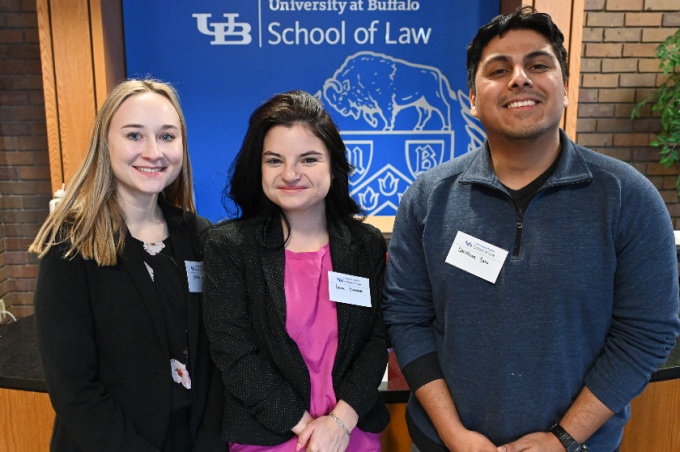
[(306, 419), (325, 434)]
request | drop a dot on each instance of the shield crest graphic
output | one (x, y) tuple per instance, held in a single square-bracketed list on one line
[(360, 156), (421, 155)]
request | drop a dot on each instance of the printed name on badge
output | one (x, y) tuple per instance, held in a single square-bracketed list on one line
[(476, 257), (349, 289), (194, 276)]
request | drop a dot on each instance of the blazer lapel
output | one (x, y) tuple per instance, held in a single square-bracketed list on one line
[(273, 265), (133, 263), (345, 258), (273, 259), (183, 251)]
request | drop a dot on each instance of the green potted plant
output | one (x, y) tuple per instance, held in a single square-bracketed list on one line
[(666, 101)]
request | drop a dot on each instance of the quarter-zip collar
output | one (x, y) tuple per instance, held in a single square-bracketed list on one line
[(572, 168)]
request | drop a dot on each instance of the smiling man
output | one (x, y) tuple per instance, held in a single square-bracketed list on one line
[(532, 287)]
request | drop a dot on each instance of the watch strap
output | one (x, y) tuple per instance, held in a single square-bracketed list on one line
[(568, 441)]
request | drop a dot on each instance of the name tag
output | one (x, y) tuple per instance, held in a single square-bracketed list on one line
[(476, 257), (194, 276), (349, 289)]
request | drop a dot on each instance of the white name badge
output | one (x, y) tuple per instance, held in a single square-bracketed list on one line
[(194, 276), (349, 289), (476, 257)]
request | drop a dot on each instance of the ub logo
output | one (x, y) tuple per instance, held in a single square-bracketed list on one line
[(238, 32)]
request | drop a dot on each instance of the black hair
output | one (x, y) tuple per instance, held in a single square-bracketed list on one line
[(244, 184), (525, 18)]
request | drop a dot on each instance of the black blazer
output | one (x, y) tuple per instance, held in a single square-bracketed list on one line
[(103, 345), (267, 382)]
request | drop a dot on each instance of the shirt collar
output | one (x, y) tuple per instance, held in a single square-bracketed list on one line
[(572, 168)]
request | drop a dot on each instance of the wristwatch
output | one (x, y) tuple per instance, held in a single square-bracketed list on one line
[(567, 440)]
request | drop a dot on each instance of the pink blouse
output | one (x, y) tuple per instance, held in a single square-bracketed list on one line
[(312, 322)]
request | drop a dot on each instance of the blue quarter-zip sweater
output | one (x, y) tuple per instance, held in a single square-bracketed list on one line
[(588, 294)]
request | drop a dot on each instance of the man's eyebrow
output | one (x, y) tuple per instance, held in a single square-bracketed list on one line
[(496, 59), (529, 56), (540, 53)]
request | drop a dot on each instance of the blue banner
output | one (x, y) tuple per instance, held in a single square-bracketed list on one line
[(390, 73)]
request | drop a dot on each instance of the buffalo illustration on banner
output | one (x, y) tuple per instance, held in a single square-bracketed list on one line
[(375, 88)]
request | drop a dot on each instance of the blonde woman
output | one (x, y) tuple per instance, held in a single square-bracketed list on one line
[(117, 308)]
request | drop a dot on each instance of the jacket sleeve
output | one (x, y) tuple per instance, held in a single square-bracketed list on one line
[(208, 437), (247, 374), (408, 303), (359, 386), (66, 340), (645, 310)]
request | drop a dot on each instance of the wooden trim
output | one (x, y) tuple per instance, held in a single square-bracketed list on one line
[(82, 57), (73, 64), (560, 12), (50, 93), (655, 418), (509, 6), (395, 437), (26, 418), (575, 53), (108, 46), (384, 223), (568, 16)]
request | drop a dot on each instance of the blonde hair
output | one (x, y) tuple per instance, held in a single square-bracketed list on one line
[(89, 218)]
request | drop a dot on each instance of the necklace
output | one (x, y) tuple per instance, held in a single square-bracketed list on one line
[(153, 248)]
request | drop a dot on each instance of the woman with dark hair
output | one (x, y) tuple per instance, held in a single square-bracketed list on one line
[(120, 333), (293, 290)]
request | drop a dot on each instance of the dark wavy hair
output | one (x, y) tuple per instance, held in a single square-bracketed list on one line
[(525, 18), (244, 184)]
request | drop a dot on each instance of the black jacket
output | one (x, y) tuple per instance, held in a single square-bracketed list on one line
[(103, 345), (267, 382)]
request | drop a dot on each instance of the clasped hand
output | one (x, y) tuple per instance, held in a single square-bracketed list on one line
[(534, 442), (472, 441), (322, 434)]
